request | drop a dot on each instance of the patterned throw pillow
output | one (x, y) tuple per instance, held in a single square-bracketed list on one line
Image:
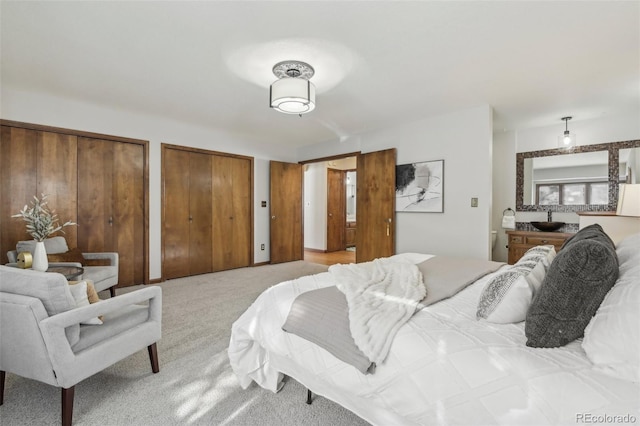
[(508, 295)]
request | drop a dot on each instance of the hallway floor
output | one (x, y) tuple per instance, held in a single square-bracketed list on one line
[(332, 258)]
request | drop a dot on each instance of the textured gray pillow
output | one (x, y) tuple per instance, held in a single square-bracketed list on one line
[(577, 281)]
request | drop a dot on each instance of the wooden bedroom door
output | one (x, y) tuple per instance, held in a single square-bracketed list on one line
[(375, 215), (285, 185), (336, 210)]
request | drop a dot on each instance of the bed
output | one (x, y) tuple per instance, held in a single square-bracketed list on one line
[(447, 366)]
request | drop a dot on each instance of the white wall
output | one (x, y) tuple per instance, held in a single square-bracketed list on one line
[(67, 113), (464, 140), (315, 206), (611, 128)]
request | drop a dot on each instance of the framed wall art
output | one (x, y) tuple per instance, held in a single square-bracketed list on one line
[(420, 187)]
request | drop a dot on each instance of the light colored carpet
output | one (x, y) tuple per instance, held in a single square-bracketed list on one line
[(195, 385)]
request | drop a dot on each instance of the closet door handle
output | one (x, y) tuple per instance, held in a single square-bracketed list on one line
[(110, 220), (190, 218)]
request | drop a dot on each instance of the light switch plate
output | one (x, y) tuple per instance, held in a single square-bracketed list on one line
[(474, 202)]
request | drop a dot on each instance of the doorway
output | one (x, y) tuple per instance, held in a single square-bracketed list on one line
[(329, 210)]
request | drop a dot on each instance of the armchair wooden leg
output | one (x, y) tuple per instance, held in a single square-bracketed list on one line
[(2, 374), (67, 405), (112, 290), (153, 357)]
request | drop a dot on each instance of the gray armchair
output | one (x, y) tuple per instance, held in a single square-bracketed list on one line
[(42, 338), (103, 277)]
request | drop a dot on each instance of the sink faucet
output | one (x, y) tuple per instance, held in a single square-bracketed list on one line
[(549, 216)]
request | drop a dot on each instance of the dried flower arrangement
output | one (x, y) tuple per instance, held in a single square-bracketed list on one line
[(41, 222)]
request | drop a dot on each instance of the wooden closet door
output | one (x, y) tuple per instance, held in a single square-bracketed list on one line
[(175, 221), (200, 214), (95, 177), (35, 163), (128, 213), (242, 241), (111, 204), (18, 174), (58, 178), (231, 212)]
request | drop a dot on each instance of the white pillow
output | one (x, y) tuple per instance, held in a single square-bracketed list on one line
[(507, 296), (79, 293), (612, 338)]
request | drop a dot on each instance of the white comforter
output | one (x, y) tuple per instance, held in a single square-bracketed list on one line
[(444, 368)]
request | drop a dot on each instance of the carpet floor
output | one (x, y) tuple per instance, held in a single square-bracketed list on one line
[(195, 385)]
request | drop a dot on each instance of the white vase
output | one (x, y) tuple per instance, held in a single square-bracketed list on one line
[(40, 262)]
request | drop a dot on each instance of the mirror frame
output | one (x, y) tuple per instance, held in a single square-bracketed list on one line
[(613, 149)]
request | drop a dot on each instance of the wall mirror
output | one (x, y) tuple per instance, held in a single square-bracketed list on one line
[(584, 179)]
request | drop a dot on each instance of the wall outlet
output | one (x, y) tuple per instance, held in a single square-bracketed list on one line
[(474, 202), (261, 246)]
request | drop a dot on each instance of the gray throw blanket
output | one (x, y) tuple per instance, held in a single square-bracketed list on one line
[(322, 316), (445, 276)]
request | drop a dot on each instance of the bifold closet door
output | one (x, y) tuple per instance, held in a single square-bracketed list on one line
[(200, 214), (187, 213), (111, 203), (33, 163), (231, 212)]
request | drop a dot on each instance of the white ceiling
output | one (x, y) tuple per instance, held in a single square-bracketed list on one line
[(377, 63)]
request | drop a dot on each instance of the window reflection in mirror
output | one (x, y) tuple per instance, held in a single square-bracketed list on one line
[(629, 160), (572, 179)]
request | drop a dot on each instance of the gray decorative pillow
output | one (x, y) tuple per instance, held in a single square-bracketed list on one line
[(577, 281)]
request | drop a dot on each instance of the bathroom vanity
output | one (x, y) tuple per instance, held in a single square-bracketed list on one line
[(521, 241)]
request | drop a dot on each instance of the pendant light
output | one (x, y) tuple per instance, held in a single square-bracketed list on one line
[(293, 93), (567, 140)]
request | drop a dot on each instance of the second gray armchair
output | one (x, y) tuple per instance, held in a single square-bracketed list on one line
[(103, 277)]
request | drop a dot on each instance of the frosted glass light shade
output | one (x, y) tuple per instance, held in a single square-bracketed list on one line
[(292, 95), (567, 140), (629, 200)]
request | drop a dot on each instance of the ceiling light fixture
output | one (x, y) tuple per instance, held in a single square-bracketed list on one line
[(293, 93), (567, 140)]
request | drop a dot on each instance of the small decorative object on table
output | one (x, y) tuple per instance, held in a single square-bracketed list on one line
[(41, 223), (25, 260)]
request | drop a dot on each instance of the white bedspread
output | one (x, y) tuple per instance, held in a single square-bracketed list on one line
[(444, 368), (382, 295)]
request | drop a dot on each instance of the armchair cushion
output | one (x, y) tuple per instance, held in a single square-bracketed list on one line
[(115, 322), (52, 290), (51, 245)]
